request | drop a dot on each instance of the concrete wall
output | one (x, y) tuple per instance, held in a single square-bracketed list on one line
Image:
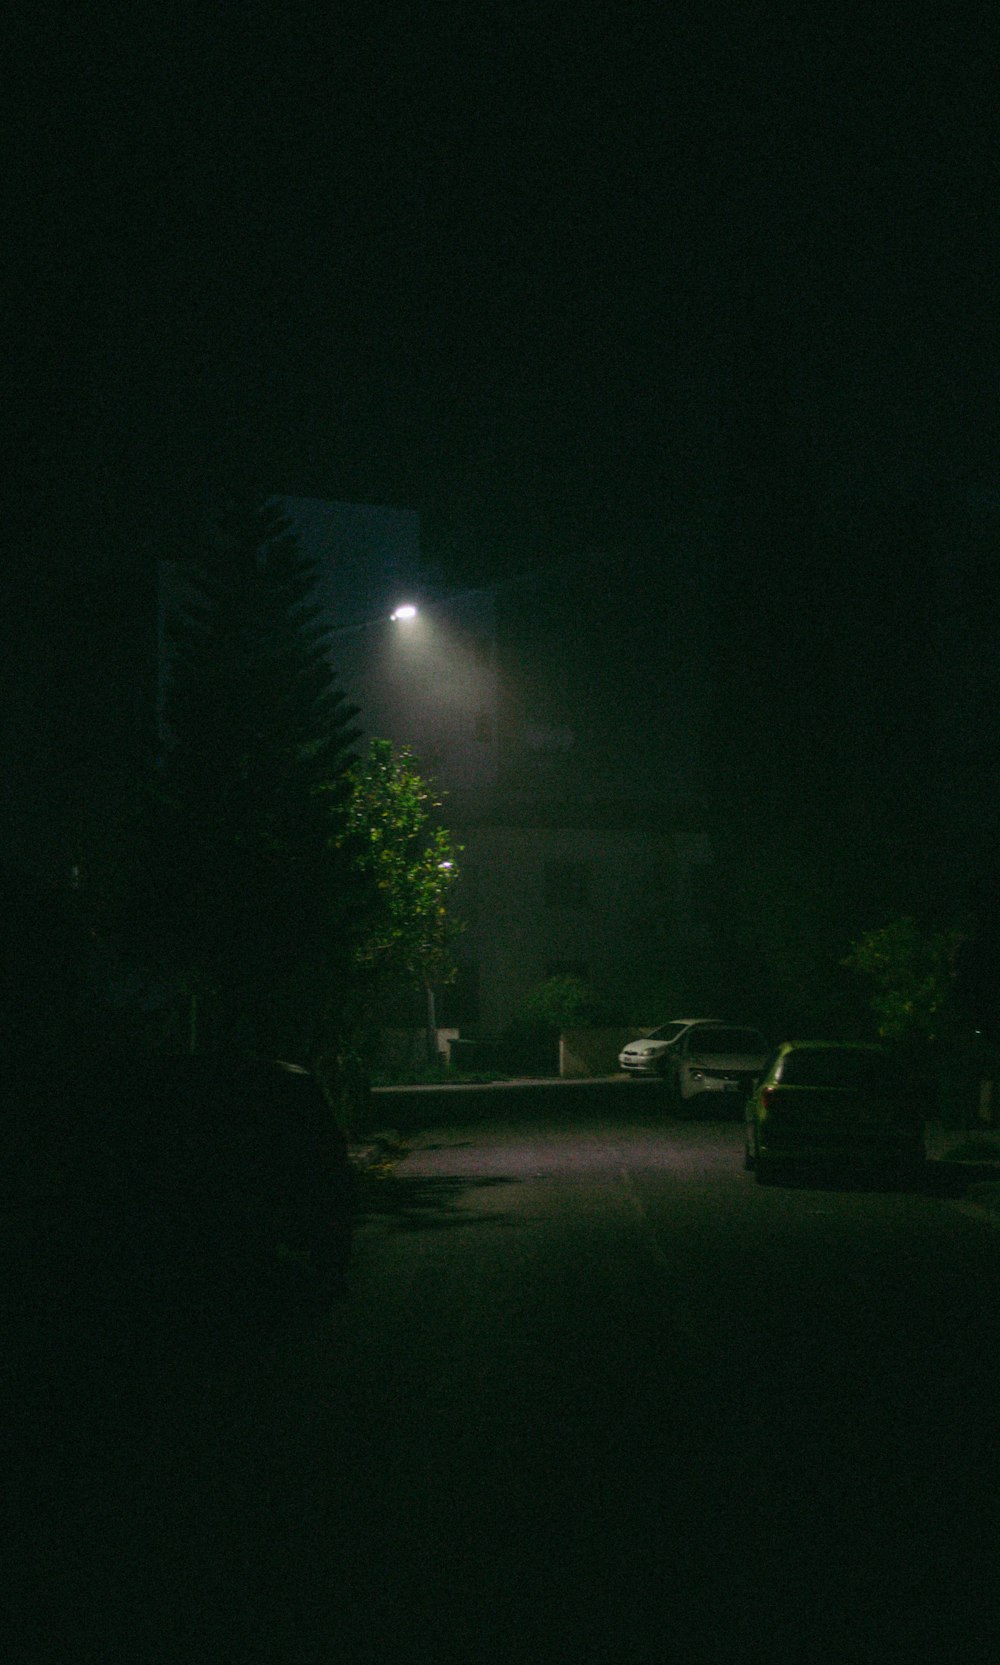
[(514, 933), (589, 1052), (402, 1050)]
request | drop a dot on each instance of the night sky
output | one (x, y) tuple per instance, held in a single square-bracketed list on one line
[(550, 275), (515, 267)]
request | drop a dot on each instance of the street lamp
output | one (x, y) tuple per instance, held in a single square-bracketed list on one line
[(406, 611)]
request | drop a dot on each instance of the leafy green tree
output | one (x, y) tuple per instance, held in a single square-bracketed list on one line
[(252, 891), (400, 848), (911, 972)]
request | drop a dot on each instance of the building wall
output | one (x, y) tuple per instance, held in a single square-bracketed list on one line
[(540, 900), (430, 683), (529, 708)]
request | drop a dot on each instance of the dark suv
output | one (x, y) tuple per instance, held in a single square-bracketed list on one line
[(822, 1102)]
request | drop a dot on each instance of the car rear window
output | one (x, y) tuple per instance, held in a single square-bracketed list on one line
[(857, 1071), (718, 1040)]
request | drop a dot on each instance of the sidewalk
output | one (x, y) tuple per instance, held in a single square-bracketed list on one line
[(955, 1156)]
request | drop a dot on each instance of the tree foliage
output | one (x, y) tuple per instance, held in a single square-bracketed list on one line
[(403, 851), (252, 889), (911, 972)]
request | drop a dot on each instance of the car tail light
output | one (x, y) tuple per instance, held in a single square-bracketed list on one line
[(768, 1096)]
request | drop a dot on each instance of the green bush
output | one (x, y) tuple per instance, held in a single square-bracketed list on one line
[(560, 1003), (910, 972)]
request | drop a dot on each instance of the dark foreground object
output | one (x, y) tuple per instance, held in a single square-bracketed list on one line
[(150, 1171), (165, 1224), (595, 1396)]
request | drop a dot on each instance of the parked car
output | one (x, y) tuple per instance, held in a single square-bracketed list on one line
[(248, 1154), (717, 1061), (211, 1170), (651, 1054), (821, 1102)]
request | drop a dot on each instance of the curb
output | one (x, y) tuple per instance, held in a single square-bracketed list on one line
[(976, 1171), (982, 1201)]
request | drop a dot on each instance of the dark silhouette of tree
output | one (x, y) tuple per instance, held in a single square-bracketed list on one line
[(254, 894)]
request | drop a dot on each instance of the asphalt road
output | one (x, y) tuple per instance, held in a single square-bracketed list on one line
[(594, 1396)]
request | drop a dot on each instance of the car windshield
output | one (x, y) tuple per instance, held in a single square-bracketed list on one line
[(838, 1067), (718, 1040), (668, 1032)]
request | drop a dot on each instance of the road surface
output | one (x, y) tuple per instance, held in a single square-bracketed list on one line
[(593, 1395)]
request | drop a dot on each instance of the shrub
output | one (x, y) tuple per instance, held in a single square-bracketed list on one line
[(564, 1002)]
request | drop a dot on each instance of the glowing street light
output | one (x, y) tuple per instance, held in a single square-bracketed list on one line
[(406, 611)]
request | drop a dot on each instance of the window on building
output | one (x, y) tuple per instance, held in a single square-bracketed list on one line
[(567, 884)]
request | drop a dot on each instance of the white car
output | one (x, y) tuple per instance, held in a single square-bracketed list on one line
[(700, 1056), (652, 1053), (718, 1059)]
